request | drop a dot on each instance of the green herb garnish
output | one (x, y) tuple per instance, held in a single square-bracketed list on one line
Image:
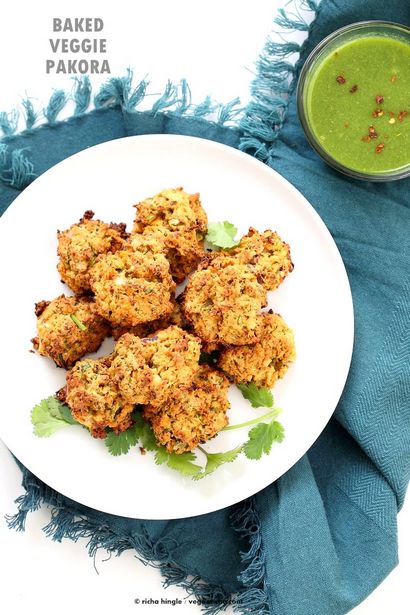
[(181, 463), (258, 396), (49, 416), (215, 460), (261, 439), (221, 235), (120, 443)]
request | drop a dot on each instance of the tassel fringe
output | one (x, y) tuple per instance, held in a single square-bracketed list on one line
[(274, 84)]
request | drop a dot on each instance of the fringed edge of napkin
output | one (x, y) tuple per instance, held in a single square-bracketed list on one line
[(65, 522), (275, 82), (260, 122), (16, 168)]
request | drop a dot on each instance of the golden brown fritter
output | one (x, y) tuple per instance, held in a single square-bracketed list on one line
[(173, 209), (79, 246), (222, 302), (148, 328), (147, 369), (177, 219), (267, 256), (183, 249), (68, 328), (132, 287), (266, 361), (94, 399), (191, 415)]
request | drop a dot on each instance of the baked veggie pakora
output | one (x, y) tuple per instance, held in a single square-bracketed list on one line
[(222, 301), (79, 246), (148, 328), (94, 400), (68, 328), (266, 361), (193, 414), (267, 256), (146, 370), (178, 220), (132, 286)]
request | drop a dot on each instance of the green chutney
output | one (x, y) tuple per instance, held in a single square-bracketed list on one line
[(358, 104)]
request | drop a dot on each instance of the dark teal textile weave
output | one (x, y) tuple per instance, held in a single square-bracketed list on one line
[(322, 537)]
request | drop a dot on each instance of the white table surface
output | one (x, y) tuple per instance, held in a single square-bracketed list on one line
[(214, 46)]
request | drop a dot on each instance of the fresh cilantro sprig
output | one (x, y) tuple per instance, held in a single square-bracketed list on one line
[(258, 396), (221, 235), (215, 460), (184, 463), (261, 439), (49, 416), (120, 443)]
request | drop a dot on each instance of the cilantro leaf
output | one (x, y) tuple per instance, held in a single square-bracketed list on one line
[(258, 396), (120, 443), (182, 463), (147, 438), (49, 416), (261, 439), (221, 235), (215, 460)]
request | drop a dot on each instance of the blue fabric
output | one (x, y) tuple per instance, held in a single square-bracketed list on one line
[(323, 536)]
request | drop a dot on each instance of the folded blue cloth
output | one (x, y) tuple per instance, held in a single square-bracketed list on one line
[(323, 536)]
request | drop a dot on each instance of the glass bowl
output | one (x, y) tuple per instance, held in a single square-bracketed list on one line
[(380, 117)]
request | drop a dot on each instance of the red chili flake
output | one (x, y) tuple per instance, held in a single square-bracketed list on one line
[(379, 99), (379, 148), (354, 89), (142, 450), (401, 115), (393, 78), (372, 132), (340, 79), (377, 113)]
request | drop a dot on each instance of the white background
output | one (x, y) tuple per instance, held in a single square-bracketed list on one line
[(214, 45)]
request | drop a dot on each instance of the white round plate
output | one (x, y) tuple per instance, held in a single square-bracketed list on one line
[(315, 300)]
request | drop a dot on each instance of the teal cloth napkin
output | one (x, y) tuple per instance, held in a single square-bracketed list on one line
[(323, 536)]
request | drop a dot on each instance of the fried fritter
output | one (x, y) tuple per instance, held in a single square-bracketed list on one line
[(177, 219), (183, 249), (193, 414), (148, 328), (79, 246), (68, 328), (266, 361), (222, 302), (173, 209), (94, 400), (267, 256), (132, 287), (146, 370)]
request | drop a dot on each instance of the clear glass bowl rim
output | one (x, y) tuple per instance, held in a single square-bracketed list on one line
[(315, 144)]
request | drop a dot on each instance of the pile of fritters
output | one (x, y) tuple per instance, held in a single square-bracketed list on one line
[(125, 285)]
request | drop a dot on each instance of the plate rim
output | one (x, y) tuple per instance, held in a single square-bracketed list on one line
[(308, 208)]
